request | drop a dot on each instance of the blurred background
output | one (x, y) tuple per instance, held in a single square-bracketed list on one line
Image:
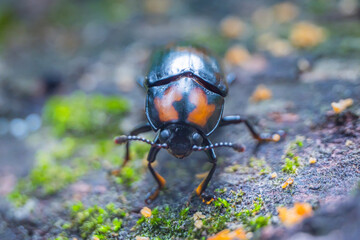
[(68, 71), (56, 47)]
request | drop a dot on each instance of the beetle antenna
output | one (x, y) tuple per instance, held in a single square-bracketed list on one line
[(236, 146), (123, 139)]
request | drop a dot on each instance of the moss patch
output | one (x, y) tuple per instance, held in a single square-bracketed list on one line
[(68, 160), (62, 162), (292, 161), (167, 224), (50, 173), (80, 114), (94, 222)]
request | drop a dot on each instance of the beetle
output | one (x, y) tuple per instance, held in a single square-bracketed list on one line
[(186, 88)]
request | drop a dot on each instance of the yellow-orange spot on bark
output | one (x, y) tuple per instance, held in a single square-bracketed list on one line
[(312, 160), (289, 181), (203, 110), (146, 212), (273, 175), (307, 35), (165, 107), (340, 106), (141, 238), (230, 235), (291, 216), (261, 93)]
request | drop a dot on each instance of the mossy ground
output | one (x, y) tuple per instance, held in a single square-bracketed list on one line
[(75, 171), (67, 192)]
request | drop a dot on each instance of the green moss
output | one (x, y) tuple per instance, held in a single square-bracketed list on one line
[(127, 176), (257, 162), (61, 237), (19, 196), (259, 222), (292, 161), (95, 221), (264, 171), (290, 154), (71, 158), (135, 168), (221, 190), (259, 165), (80, 114), (62, 162), (139, 150), (46, 178), (299, 143), (291, 165), (49, 177), (54, 168), (65, 149), (167, 224)]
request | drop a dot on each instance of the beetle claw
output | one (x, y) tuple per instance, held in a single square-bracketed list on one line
[(278, 136), (151, 196), (190, 198), (207, 198)]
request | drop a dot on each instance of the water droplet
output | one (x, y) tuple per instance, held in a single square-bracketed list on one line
[(18, 128), (33, 122)]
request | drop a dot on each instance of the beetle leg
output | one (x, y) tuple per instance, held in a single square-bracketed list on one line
[(202, 186), (140, 129), (261, 137), (159, 179)]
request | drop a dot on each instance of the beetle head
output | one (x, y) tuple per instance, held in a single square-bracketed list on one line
[(180, 139)]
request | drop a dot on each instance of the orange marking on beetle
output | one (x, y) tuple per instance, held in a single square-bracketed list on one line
[(200, 187), (165, 107), (203, 110), (161, 179)]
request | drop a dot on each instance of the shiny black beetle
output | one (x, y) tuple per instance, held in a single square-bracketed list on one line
[(186, 88)]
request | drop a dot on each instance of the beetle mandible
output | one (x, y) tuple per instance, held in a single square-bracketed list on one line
[(186, 88)]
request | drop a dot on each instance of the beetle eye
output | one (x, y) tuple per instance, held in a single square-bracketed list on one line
[(164, 135), (197, 139)]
